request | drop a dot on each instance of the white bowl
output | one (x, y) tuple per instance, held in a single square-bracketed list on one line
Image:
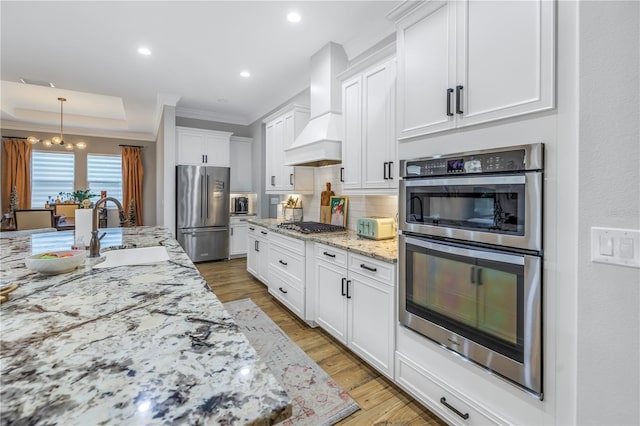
[(56, 265)]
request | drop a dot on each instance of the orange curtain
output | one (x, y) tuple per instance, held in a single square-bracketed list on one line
[(132, 181), (16, 171)]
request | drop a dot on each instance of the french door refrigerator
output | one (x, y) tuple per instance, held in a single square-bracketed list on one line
[(202, 211)]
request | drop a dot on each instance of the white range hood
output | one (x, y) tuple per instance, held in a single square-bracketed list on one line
[(320, 142)]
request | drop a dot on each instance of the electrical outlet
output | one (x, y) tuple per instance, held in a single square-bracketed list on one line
[(616, 246)]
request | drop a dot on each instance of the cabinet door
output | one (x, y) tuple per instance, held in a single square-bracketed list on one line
[(252, 255), (216, 150), (378, 153), (288, 136), (238, 240), (331, 304), (273, 144), (506, 66), (352, 143), (426, 69), (263, 260), (189, 147), (371, 321)]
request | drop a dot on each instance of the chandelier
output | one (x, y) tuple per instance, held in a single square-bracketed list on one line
[(58, 140)]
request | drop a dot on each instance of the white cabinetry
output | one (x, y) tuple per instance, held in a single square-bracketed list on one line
[(239, 233), (355, 303), (468, 62), (369, 145), (241, 164), (281, 130), (258, 252), (201, 147), (287, 268)]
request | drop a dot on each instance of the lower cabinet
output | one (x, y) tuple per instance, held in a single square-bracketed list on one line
[(287, 278), (238, 233), (357, 309), (258, 252)]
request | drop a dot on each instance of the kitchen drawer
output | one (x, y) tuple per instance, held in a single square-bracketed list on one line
[(287, 293), (451, 405), (292, 244), (373, 268), (239, 220), (284, 261), (331, 255), (258, 231)]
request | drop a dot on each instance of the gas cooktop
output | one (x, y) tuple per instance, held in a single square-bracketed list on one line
[(311, 227)]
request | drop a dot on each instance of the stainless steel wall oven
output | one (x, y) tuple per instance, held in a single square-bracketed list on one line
[(471, 257)]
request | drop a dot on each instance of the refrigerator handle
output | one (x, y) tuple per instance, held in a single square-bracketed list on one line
[(207, 195), (201, 198)]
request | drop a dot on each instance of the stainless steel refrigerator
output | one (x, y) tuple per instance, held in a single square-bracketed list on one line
[(202, 211)]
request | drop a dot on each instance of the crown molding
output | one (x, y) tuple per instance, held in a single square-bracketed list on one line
[(403, 9), (199, 114), (77, 131)]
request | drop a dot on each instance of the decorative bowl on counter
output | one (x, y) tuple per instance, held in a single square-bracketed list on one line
[(55, 262)]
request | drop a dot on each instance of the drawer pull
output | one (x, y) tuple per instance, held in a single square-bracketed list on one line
[(348, 294), (263, 233), (343, 293), (282, 263), (282, 290), (368, 268), (329, 254), (252, 228), (444, 402)]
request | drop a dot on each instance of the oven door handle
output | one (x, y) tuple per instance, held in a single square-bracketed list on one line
[(477, 180), (467, 252)]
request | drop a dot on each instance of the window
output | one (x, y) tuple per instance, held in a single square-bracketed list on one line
[(104, 173), (51, 173)]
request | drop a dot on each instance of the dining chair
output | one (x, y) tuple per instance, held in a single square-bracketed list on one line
[(33, 219), (67, 210)]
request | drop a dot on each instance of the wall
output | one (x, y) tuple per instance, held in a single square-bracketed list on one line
[(166, 182), (609, 195), (236, 129), (99, 145)]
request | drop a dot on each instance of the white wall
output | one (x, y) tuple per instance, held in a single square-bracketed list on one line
[(608, 364), (166, 182)]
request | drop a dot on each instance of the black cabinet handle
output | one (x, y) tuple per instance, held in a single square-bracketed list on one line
[(291, 179), (283, 290), (444, 402), (252, 228), (390, 169), (273, 181), (341, 174), (263, 233), (255, 246), (368, 268), (231, 231), (472, 276), (329, 254), (282, 263), (479, 277), (343, 280), (449, 93), (459, 99), (384, 170), (348, 294)]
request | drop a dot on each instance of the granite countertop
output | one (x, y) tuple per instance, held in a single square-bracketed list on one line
[(384, 250), (143, 344)]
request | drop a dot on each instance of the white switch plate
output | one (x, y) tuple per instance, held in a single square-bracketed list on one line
[(616, 246)]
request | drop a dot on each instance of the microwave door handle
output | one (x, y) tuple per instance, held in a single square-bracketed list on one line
[(473, 181), (472, 253)]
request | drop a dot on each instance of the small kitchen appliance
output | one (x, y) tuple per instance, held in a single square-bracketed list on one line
[(376, 227), (240, 205)]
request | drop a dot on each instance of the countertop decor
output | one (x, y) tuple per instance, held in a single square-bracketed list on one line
[(385, 250), (143, 344)]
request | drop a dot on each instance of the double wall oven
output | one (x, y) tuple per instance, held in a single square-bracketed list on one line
[(471, 257)]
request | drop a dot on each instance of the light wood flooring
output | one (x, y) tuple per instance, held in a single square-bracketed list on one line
[(381, 402)]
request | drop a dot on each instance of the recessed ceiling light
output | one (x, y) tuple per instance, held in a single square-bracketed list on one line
[(245, 74), (144, 51), (294, 17)]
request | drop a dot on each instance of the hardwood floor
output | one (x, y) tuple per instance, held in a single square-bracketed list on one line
[(381, 402)]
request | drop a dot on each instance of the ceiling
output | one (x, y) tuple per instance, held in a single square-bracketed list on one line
[(88, 50)]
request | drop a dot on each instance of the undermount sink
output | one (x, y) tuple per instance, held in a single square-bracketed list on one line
[(134, 256)]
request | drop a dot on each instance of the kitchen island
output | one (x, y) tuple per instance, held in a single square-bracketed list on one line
[(139, 344)]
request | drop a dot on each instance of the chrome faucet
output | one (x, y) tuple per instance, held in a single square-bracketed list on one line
[(94, 245)]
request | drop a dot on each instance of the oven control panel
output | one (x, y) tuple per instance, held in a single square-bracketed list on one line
[(508, 160)]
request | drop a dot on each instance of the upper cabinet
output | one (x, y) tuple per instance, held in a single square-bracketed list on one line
[(241, 164), (369, 147), (473, 61), (281, 130), (202, 147)]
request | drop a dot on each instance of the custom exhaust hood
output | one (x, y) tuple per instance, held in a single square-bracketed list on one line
[(320, 142)]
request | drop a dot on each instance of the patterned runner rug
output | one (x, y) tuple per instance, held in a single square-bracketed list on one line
[(316, 398)]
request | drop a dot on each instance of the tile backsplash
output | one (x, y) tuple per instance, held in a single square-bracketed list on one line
[(358, 205)]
